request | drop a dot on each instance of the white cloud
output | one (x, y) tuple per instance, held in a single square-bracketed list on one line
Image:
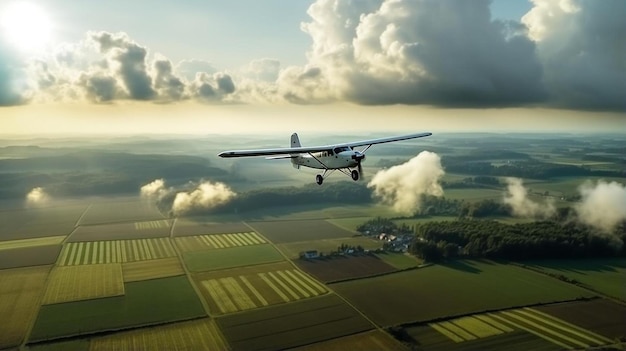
[(403, 186), (206, 195), (603, 204), (37, 197), (517, 198)]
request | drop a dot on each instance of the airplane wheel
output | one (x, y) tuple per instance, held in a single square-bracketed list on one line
[(355, 175), (319, 179)]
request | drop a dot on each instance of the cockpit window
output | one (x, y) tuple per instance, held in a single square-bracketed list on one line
[(341, 149)]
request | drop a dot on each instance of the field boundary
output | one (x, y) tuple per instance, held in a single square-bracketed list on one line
[(379, 274)]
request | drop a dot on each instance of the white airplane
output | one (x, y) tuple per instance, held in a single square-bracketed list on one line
[(342, 157)]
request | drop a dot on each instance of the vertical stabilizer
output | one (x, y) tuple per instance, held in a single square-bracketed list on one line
[(295, 142)]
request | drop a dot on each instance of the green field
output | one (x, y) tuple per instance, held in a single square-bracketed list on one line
[(39, 222), (144, 303), (399, 260), (293, 250), (607, 276), (115, 251), (217, 241), (131, 230), (120, 210), (198, 261), (447, 290), (301, 230)]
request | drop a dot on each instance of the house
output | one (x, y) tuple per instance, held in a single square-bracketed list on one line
[(310, 254)]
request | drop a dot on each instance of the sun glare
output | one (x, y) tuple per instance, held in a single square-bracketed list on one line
[(26, 25)]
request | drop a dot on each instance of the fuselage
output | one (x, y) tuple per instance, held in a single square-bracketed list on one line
[(339, 157)]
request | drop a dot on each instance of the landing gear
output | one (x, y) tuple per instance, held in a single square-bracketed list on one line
[(354, 174), (319, 179)]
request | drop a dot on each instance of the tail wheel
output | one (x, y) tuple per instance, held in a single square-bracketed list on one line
[(355, 175), (319, 179)]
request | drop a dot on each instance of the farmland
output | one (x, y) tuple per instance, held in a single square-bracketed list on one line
[(336, 268), (18, 244), (293, 249), (399, 260), (198, 261), (120, 210), (491, 329), (217, 241), (233, 290), (132, 230), (115, 251), (433, 292), (371, 340), (39, 222), (586, 314), (294, 324), (74, 283), (197, 226), (603, 275), (21, 290), (29, 256), (302, 230), (201, 334), (151, 269), (144, 303)]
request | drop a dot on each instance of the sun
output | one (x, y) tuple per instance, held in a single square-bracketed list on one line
[(26, 26)]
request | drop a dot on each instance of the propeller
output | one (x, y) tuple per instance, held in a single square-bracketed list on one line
[(359, 157)]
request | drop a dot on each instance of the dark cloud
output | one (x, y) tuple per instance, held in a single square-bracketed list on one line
[(225, 83), (582, 47), (166, 83), (100, 88)]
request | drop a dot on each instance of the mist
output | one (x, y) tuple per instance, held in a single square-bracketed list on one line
[(37, 197), (516, 197), (603, 204), (403, 186)]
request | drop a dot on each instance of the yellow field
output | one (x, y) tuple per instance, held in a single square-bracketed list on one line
[(217, 241), (200, 334), (152, 224), (20, 293), (151, 269), (244, 292), (115, 251), (84, 282), (545, 326), (16, 244)]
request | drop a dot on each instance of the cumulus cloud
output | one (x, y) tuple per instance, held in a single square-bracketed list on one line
[(602, 205), (205, 196), (581, 46), (265, 70), (37, 197), (516, 197), (403, 186), (154, 190)]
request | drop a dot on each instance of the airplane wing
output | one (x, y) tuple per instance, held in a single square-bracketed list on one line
[(304, 150)]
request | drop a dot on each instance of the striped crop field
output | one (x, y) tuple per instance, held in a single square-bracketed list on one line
[(152, 224), (554, 330), (201, 334), (20, 294), (152, 269), (248, 291), (84, 282), (218, 241), (18, 244), (115, 251)]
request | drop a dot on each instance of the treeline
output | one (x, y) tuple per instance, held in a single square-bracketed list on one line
[(537, 240), (335, 193), (522, 168)]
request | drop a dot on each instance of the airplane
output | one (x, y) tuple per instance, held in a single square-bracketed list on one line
[(342, 157)]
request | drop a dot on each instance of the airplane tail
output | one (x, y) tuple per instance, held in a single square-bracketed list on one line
[(295, 142)]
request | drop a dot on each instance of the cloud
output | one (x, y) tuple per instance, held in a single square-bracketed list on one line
[(442, 52), (602, 205), (154, 190), (581, 47), (517, 198), (265, 70), (37, 197), (402, 186), (205, 196)]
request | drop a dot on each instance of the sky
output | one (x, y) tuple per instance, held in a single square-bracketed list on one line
[(244, 66)]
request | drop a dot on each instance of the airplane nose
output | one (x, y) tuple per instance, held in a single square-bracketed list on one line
[(358, 156)]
